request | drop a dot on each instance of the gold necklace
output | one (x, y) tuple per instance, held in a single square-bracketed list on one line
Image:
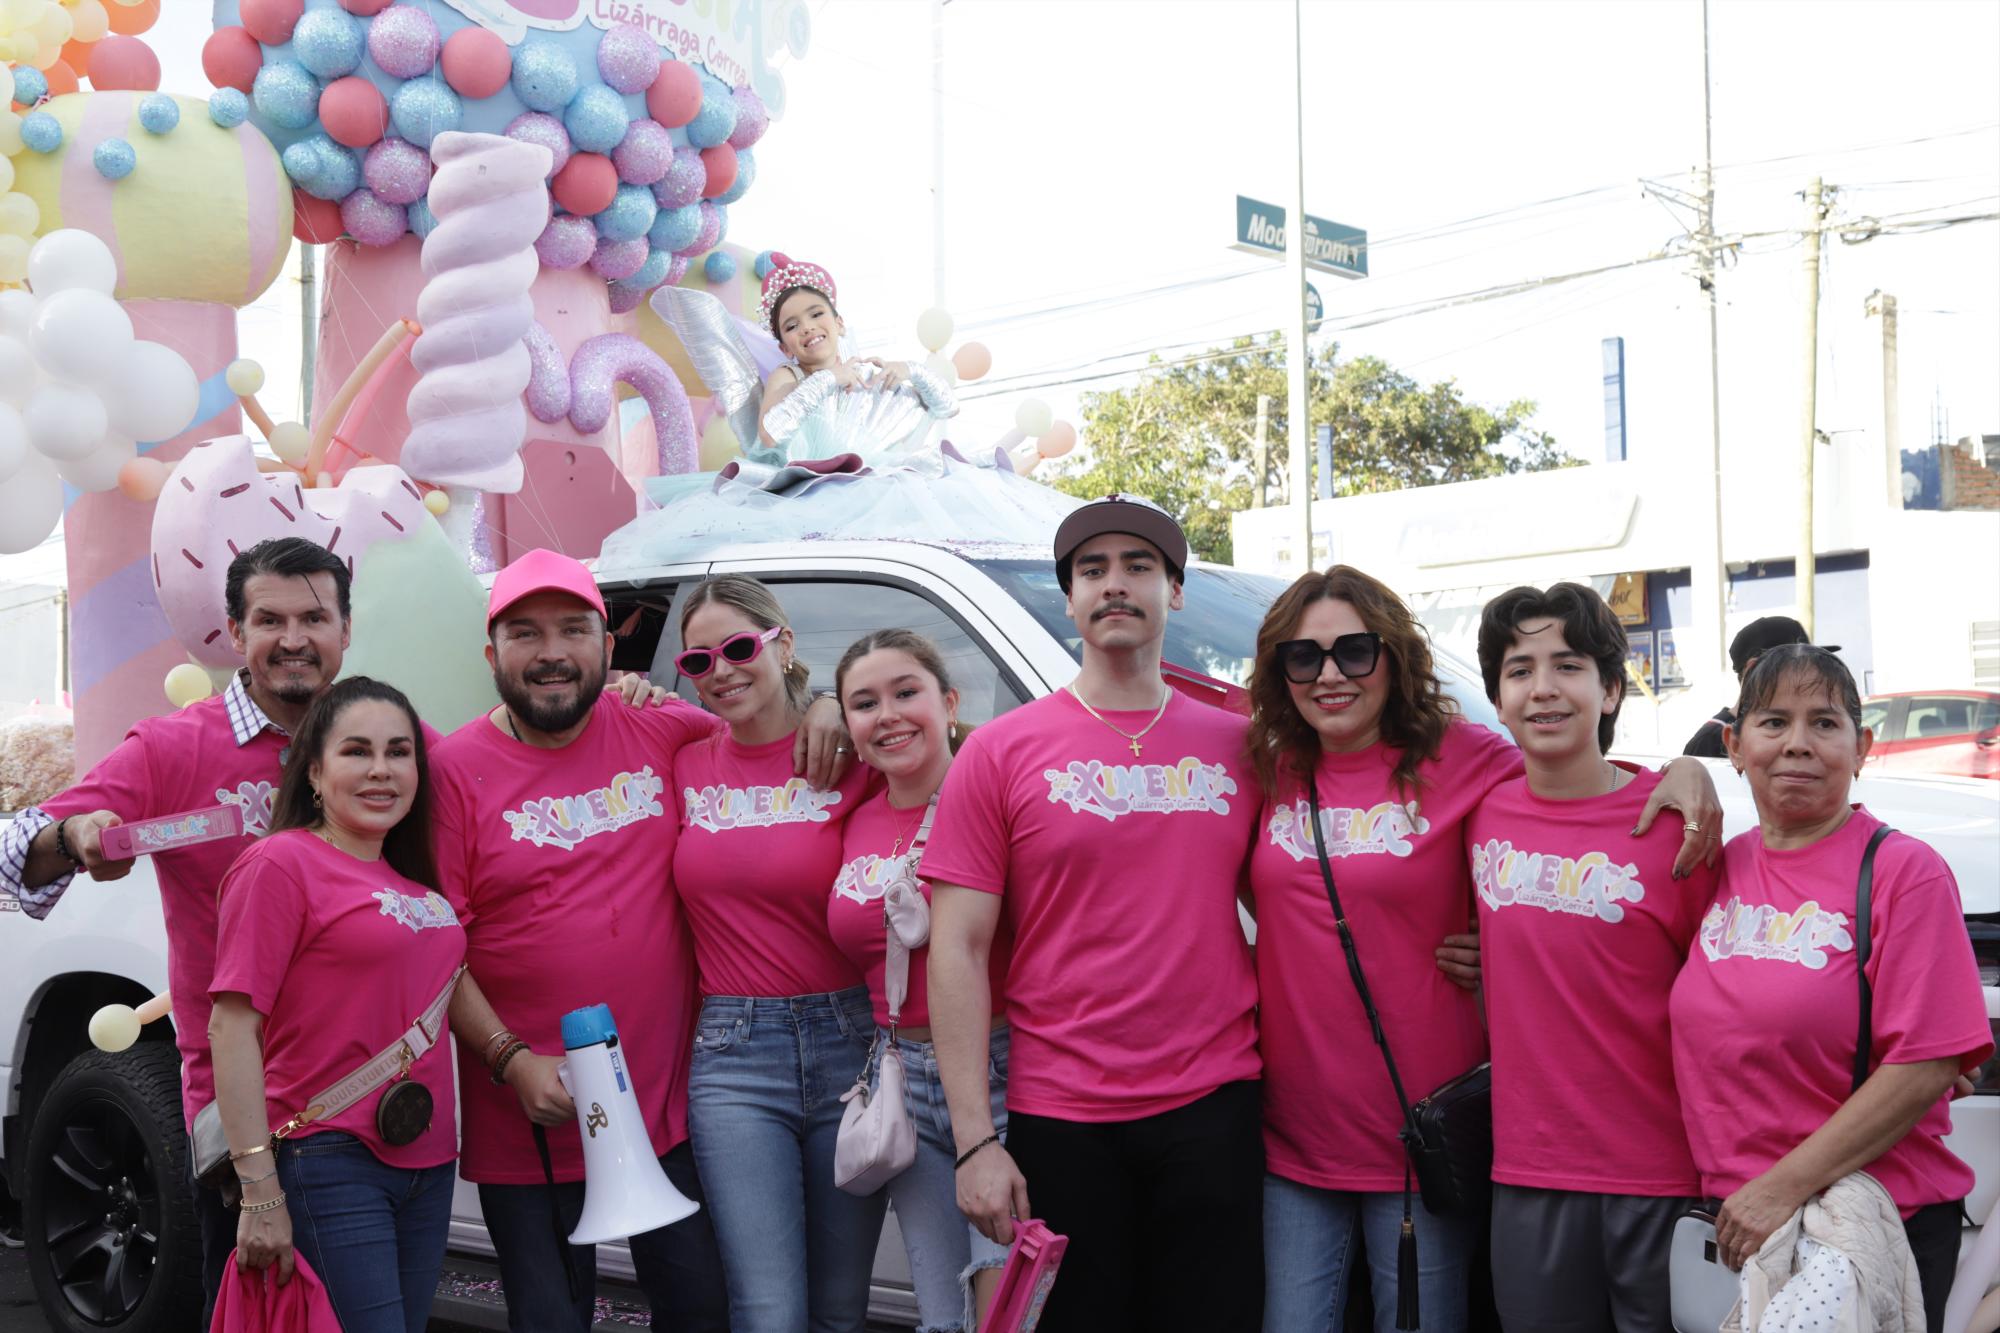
[(1131, 737), (896, 849)]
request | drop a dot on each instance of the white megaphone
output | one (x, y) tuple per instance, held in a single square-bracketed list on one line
[(625, 1191)]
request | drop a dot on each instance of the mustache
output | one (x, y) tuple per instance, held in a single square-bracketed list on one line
[(1110, 608), (552, 675), (310, 657)]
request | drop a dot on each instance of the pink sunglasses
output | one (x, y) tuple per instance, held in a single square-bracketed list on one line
[(741, 649)]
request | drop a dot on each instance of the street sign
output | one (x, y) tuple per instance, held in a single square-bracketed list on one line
[(1331, 247), (1315, 309)]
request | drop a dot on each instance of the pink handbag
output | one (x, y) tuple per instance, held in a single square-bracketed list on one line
[(877, 1142), (251, 1301)]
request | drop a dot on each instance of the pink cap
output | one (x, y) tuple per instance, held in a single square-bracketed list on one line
[(542, 571)]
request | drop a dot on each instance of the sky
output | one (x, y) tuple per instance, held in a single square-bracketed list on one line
[(1092, 152)]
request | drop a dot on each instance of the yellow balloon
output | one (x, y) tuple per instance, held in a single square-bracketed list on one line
[(6, 174), (54, 27), (13, 258), (6, 86), (90, 20), (291, 442), (438, 503), (10, 134), (934, 329), (1034, 417), (186, 684), (244, 376), (19, 215), (114, 1027), (28, 49)]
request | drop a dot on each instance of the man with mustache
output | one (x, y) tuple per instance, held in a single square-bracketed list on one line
[(1107, 825), (555, 838)]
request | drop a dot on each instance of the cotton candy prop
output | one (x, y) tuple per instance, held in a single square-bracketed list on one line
[(467, 423), (217, 504)]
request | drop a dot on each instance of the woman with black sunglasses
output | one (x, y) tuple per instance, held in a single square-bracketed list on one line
[(1349, 722), (785, 1018)]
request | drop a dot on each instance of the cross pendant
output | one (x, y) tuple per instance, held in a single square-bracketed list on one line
[(1135, 748)]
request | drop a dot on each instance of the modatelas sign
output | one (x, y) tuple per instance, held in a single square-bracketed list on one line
[(1331, 247)]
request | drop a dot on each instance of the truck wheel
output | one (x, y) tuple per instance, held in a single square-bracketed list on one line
[(111, 1232)]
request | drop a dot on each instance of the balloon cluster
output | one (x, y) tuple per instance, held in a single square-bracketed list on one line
[(77, 390), (55, 45), (1036, 434), (646, 151)]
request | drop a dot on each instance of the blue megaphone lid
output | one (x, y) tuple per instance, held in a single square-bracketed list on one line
[(588, 1027)]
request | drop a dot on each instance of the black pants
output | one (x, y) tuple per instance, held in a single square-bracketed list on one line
[(218, 1237), (679, 1266), (1934, 1236), (1165, 1215)]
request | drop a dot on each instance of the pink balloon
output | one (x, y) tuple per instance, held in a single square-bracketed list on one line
[(142, 478), (315, 221), (123, 63), (972, 360), (353, 111), (1059, 441), (231, 58), (674, 97), (586, 184), (365, 8), (476, 63), (271, 21), (720, 163)]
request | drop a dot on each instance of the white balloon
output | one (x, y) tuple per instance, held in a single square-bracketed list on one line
[(14, 443), (19, 375), (17, 312), (79, 335), (934, 328), (65, 421), (30, 506), (69, 258), (938, 364), (98, 469), (156, 394), (1034, 417)]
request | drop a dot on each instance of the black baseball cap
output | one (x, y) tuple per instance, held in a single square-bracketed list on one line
[(1121, 513), (1765, 633)]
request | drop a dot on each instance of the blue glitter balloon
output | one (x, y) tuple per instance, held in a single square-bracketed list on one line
[(675, 228), (30, 86), (159, 113), (716, 120), (544, 75), (328, 42), (721, 222), (746, 175), (630, 215), (228, 107), (323, 168), (653, 272), (422, 220), (41, 131), (286, 94), (720, 266), (764, 263), (422, 109), (114, 159), (596, 119)]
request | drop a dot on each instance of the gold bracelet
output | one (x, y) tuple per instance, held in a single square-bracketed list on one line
[(250, 1152), (487, 1045), (264, 1207)]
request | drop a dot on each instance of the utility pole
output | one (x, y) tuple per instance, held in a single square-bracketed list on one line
[(1263, 453), (1298, 406), (308, 326), (1883, 306), (937, 153), (1707, 570), (1809, 430)]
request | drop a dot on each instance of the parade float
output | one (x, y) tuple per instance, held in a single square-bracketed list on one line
[(533, 328)]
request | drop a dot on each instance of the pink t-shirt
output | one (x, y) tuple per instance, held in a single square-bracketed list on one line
[(1330, 1113), (758, 848), (1130, 991), (1582, 930), (558, 862), (1765, 1012), (869, 848), (340, 956), (165, 765)]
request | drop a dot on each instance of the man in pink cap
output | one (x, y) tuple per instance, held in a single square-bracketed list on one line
[(555, 839)]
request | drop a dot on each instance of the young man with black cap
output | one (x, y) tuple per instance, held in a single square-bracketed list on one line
[(1750, 643), (1106, 825)]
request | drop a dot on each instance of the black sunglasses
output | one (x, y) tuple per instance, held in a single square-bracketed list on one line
[(1355, 655)]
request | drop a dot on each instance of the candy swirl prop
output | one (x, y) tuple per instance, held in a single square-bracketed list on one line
[(608, 358)]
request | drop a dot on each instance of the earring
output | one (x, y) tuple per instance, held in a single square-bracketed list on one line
[(316, 799)]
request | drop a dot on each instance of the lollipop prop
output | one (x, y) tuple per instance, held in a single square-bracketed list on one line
[(625, 1191), (116, 1026)]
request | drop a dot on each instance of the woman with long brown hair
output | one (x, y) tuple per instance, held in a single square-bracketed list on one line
[(1363, 754)]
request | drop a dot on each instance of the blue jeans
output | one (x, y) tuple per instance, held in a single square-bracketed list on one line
[(1309, 1236), (763, 1110), (944, 1248), (375, 1234), (678, 1266)]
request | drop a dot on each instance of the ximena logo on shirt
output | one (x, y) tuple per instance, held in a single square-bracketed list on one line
[(866, 878), (565, 821), (1737, 929), (1380, 830), (1589, 885), (253, 800), (719, 808), (1110, 790), (430, 912)]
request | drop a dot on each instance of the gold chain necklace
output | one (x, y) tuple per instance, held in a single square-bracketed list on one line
[(1131, 737)]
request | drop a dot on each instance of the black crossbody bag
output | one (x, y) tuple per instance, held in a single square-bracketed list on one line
[(1447, 1137)]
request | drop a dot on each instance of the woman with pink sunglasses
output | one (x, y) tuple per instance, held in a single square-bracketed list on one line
[(785, 1019)]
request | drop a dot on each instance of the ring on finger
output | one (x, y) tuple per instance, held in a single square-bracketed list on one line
[(1692, 826)]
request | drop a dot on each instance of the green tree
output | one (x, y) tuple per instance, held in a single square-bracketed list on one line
[(1185, 434)]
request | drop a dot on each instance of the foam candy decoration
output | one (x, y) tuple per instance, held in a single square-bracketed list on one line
[(612, 357), (217, 503), (476, 63), (467, 424), (231, 58), (225, 186), (418, 590)]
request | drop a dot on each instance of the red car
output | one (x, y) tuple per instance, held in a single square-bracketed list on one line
[(1949, 733)]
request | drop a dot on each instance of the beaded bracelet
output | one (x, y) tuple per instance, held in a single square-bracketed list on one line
[(966, 1156), (264, 1207), (62, 843), (506, 1056)]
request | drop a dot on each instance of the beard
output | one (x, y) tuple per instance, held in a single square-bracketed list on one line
[(545, 714), (282, 680)]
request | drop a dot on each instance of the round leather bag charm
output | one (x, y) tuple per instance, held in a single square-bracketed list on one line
[(404, 1113)]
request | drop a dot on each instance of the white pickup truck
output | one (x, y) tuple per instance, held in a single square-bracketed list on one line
[(92, 1144)]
